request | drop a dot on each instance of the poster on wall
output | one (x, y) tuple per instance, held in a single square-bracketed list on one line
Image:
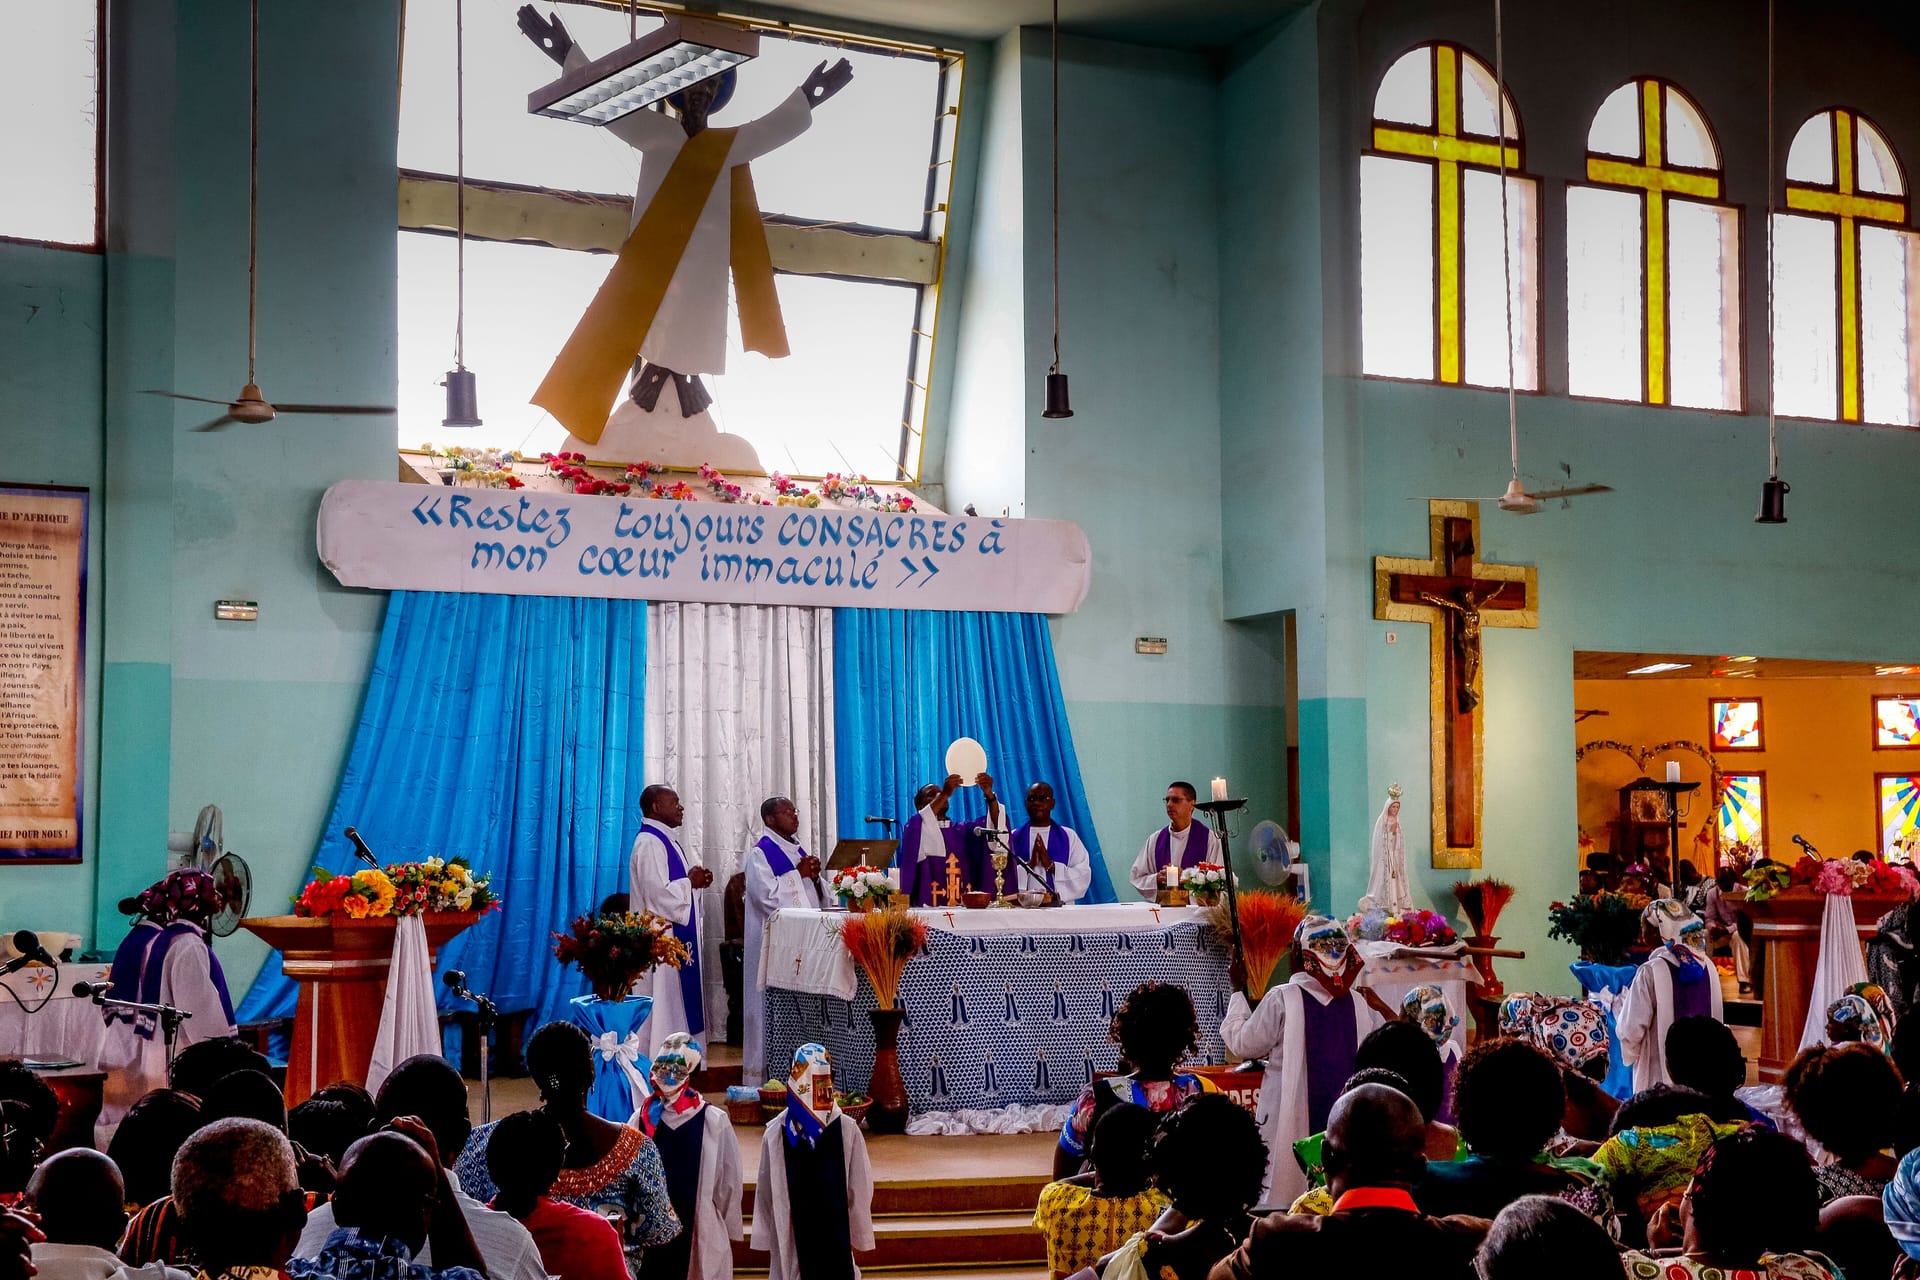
[(43, 645)]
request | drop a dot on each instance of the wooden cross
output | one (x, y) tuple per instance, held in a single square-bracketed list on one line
[(1455, 595)]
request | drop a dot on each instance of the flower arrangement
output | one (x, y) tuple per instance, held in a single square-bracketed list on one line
[(486, 468), (1603, 925), (572, 468), (863, 888), (1416, 928), (1267, 922), (642, 474), (1843, 876), (1204, 882), (613, 950), (859, 492), (1482, 901), (881, 943), (726, 490), (792, 494), (401, 889)]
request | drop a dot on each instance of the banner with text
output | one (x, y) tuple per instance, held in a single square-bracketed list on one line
[(43, 647), (522, 542)]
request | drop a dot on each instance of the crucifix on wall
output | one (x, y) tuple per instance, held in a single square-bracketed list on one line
[(1457, 597)]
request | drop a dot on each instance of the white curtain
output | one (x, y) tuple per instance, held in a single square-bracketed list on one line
[(739, 708)]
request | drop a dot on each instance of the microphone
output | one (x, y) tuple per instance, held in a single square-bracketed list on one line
[(27, 949), (360, 849), (1802, 842), (91, 990), (130, 906), (888, 823), (454, 978)]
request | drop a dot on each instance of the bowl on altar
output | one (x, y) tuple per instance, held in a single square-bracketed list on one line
[(1033, 898), (976, 899)]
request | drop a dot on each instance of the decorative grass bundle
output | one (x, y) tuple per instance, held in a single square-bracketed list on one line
[(1267, 922), (881, 943), (1483, 901)]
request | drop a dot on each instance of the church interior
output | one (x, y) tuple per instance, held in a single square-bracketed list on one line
[(1287, 343)]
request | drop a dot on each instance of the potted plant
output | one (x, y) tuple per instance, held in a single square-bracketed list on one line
[(863, 888), (1205, 883), (614, 950), (1605, 926)]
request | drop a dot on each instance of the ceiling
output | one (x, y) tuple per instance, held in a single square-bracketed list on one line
[(1615, 666), (1171, 24)]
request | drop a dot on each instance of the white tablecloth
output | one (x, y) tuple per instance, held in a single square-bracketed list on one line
[(65, 1028), (1394, 970), (803, 951)]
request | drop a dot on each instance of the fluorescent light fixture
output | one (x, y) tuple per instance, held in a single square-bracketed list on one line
[(1896, 671), (679, 55), (1655, 668), (1732, 659)]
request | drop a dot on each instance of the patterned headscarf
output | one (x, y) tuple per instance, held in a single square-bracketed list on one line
[(1324, 943), (1675, 921), (811, 1104), (1900, 1202), (186, 894), (1427, 1008), (1572, 1032), (1864, 1010)]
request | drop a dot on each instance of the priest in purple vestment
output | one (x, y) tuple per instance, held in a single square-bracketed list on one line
[(930, 837), (1182, 842), (1047, 857)]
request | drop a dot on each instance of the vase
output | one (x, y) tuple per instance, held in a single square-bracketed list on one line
[(617, 1045), (887, 1088), (1488, 993)]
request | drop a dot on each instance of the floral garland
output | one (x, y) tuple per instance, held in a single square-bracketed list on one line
[(572, 468), (861, 493), (1843, 876), (792, 494), (726, 490), (489, 468), (1416, 928)]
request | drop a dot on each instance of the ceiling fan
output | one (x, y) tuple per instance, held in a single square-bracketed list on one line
[(250, 406), (1516, 498)]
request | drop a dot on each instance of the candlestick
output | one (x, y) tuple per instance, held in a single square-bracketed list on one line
[(1673, 771), (1219, 788)]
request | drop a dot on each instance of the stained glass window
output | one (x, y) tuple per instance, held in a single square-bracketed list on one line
[(1432, 273), (1653, 257), (1736, 724), (1899, 796), (1741, 814), (1843, 259), (1896, 722)]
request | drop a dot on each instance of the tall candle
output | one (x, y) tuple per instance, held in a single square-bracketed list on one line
[(1173, 875), (1673, 771), (1219, 788)]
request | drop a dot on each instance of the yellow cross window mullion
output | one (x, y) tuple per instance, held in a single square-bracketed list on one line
[(1848, 206), (1447, 150)]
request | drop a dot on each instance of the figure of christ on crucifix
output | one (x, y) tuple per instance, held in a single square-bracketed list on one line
[(1456, 596)]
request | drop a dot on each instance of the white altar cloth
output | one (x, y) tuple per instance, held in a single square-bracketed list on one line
[(803, 951), (65, 1028)]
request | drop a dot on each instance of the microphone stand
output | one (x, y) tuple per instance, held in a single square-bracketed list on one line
[(485, 1018), (170, 1019)]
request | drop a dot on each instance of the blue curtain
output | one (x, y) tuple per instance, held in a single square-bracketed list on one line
[(506, 729), (908, 682)]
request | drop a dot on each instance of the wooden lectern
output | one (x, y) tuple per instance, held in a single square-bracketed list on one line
[(1786, 949), (341, 966)]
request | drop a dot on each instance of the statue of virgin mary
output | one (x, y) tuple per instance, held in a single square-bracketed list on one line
[(1387, 886)]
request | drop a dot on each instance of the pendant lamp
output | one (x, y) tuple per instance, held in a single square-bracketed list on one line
[(1059, 405), (463, 399), (1773, 491)]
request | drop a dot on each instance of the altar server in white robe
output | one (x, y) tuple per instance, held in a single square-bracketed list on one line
[(1047, 856), (1676, 981), (702, 1163), (813, 1203), (779, 874), (1309, 1031), (1182, 843), (167, 959), (665, 879)]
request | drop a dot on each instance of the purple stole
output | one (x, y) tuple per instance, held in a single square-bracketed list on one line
[(776, 856), (1059, 849), (152, 958), (1332, 1042), (1192, 856), (689, 933), (1691, 999), (916, 878)]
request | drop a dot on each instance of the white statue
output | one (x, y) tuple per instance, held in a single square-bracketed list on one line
[(1387, 886)]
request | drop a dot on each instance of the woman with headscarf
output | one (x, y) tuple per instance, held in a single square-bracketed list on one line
[(1900, 1206), (1676, 981), (166, 959), (1750, 1213), (1574, 1034), (1309, 1031)]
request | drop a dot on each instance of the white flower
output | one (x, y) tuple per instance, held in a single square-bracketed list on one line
[(464, 898), (859, 889)]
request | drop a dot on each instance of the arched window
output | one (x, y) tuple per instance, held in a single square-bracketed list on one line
[(1653, 257), (1431, 270), (1843, 261)]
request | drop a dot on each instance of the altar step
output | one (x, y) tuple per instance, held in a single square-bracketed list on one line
[(940, 1205)]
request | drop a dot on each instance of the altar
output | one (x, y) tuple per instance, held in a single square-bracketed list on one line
[(1012, 1007), (41, 1018)]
